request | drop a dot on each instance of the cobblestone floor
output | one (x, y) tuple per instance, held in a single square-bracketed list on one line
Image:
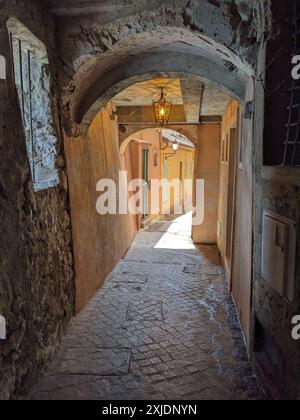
[(163, 326)]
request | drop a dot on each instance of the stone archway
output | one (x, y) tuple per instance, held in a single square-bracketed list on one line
[(127, 131), (136, 69), (216, 41)]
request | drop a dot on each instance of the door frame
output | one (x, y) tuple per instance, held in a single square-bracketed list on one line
[(145, 192), (233, 161)]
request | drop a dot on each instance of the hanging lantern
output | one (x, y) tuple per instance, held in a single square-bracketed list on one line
[(162, 109)]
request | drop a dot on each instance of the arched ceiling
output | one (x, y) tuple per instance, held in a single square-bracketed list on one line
[(170, 135), (136, 69), (143, 93), (196, 98), (103, 49)]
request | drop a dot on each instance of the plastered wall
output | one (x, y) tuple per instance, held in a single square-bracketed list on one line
[(207, 167), (99, 240), (236, 203)]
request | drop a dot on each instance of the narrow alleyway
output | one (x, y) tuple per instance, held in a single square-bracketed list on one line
[(163, 326)]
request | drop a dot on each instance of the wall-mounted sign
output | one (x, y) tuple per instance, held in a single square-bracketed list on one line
[(2, 67)]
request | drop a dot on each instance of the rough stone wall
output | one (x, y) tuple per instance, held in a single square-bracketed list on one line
[(36, 274), (276, 189), (274, 313)]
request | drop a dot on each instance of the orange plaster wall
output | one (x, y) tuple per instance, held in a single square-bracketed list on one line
[(207, 167), (99, 240), (238, 270), (149, 139)]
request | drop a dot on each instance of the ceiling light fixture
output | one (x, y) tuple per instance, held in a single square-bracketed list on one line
[(162, 109)]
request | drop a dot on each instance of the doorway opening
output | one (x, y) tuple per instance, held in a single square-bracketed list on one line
[(163, 161), (123, 136)]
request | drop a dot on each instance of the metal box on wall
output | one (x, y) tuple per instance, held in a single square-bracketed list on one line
[(279, 253)]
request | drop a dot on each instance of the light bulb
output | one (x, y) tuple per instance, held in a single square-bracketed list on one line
[(175, 147)]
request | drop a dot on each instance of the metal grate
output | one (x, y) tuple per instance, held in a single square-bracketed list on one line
[(292, 141)]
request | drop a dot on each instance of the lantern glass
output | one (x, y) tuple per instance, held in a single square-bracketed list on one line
[(175, 147)]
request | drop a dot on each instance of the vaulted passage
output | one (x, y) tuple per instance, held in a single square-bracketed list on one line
[(163, 326), (149, 199)]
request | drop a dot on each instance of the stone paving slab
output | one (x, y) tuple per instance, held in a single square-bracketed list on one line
[(93, 362), (145, 310), (128, 277)]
